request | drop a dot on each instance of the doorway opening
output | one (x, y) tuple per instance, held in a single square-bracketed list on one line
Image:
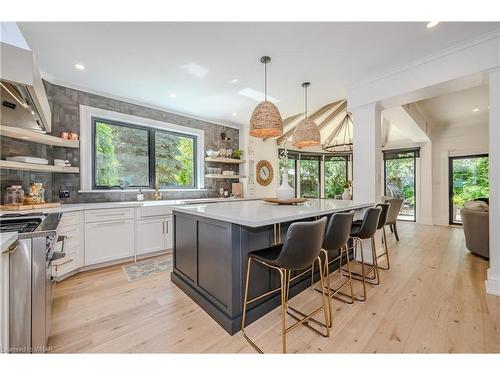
[(468, 180)]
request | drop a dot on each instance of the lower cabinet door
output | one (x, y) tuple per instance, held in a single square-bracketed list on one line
[(110, 240), (169, 232), (151, 235)]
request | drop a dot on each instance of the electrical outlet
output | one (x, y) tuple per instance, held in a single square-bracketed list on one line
[(63, 193)]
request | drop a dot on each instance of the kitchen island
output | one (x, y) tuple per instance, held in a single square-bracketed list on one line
[(210, 247)]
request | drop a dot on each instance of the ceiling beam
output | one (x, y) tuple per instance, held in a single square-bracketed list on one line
[(340, 108), (313, 116)]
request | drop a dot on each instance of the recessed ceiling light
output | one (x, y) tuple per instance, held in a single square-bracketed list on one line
[(234, 80), (79, 66), (234, 114), (475, 110), (172, 95), (431, 24)]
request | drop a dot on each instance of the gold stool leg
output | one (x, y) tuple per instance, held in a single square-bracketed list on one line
[(245, 299), (348, 270), (386, 251), (284, 287), (375, 262)]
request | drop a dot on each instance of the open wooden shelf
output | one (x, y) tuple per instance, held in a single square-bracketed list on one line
[(223, 176), (224, 160), (33, 136), (6, 164)]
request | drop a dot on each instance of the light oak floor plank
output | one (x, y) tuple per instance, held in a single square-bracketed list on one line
[(432, 300)]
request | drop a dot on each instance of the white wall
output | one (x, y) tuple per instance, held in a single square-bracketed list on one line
[(452, 140)]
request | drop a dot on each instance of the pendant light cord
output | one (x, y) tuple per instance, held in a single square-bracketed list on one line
[(265, 81), (305, 102)]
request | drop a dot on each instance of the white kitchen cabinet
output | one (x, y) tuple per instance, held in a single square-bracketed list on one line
[(154, 234), (71, 226), (109, 240), (169, 231)]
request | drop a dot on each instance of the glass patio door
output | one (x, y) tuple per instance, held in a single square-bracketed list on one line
[(399, 172), (468, 181)]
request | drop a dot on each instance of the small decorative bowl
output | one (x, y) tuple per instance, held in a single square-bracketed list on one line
[(212, 153)]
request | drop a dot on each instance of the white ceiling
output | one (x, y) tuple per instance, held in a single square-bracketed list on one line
[(145, 62), (456, 108)]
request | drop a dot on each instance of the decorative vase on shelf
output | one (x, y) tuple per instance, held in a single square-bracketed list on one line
[(346, 195), (285, 192)]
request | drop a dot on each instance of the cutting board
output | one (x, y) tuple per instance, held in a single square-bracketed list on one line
[(286, 202), (24, 207)]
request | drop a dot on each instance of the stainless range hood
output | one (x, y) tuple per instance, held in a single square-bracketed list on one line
[(24, 103)]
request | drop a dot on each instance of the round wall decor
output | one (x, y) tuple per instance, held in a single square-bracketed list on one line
[(264, 172)]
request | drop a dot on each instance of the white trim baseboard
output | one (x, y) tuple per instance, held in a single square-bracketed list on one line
[(492, 284)]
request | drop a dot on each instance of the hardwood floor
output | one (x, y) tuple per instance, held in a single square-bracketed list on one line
[(432, 300)]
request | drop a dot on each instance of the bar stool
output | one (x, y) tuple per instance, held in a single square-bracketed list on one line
[(301, 249), (362, 230), (336, 238), (381, 226)]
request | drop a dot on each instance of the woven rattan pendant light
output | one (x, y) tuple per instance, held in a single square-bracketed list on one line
[(306, 133), (266, 119)]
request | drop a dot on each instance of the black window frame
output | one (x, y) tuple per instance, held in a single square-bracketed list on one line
[(151, 131), (403, 153), (451, 220)]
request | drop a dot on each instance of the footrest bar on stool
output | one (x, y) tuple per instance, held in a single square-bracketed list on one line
[(305, 320)]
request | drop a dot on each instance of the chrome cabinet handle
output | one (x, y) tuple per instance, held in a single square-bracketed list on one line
[(166, 222), (111, 223), (111, 214)]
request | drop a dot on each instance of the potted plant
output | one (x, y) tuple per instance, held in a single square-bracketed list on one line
[(237, 154), (346, 195)]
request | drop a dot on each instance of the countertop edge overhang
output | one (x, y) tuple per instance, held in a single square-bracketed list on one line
[(193, 209)]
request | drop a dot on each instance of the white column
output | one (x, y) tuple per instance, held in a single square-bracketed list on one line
[(493, 282), (367, 161), (367, 154)]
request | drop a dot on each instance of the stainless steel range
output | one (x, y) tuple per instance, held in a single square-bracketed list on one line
[(30, 280)]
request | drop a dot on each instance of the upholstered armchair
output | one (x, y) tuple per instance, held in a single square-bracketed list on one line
[(475, 220)]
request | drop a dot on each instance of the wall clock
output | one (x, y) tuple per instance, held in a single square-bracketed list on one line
[(264, 172)]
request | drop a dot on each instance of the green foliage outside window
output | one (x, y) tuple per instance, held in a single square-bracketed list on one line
[(335, 176), (122, 155), (470, 179)]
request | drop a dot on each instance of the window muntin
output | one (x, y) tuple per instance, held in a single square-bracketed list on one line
[(130, 156)]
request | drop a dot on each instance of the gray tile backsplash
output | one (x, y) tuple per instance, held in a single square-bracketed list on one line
[(65, 105)]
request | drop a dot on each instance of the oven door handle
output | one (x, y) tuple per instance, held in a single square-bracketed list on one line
[(59, 254)]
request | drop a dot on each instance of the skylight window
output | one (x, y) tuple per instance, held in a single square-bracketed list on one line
[(195, 69)]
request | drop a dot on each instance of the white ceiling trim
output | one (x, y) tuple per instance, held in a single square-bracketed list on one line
[(214, 121)]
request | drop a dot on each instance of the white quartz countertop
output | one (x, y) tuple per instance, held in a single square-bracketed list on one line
[(258, 213), (96, 206), (7, 239)]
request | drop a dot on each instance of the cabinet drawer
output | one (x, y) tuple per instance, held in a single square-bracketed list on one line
[(108, 214), (69, 218), (73, 236), (67, 264), (158, 210), (111, 240)]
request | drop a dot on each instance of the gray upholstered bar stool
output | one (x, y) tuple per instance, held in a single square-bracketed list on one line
[(300, 250), (362, 230), (335, 248), (381, 226)]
